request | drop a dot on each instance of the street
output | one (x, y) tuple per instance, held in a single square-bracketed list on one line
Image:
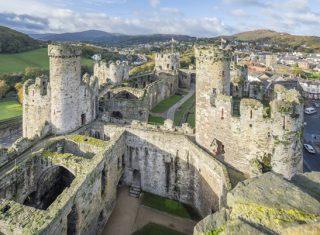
[(311, 162)]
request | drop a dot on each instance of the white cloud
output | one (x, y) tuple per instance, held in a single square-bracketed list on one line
[(239, 13), (154, 3)]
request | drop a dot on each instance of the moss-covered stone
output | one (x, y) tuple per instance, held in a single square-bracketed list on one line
[(88, 140)]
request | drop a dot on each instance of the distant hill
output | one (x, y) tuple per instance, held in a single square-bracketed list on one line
[(12, 41), (270, 36), (96, 36)]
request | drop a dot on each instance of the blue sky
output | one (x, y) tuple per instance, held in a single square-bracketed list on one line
[(202, 18)]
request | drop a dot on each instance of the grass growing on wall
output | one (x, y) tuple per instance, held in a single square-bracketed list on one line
[(10, 109), (14, 63), (186, 107), (164, 105), (169, 206), (155, 120), (156, 229)]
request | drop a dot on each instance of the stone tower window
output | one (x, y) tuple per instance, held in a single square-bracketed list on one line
[(284, 123), (250, 114), (222, 114), (168, 66)]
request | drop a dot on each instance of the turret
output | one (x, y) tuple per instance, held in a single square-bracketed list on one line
[(65, 80), (167, 62)]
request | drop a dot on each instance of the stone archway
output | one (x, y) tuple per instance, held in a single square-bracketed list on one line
[(50, 185)]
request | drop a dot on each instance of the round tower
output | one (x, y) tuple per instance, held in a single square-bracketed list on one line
[(65, 80)]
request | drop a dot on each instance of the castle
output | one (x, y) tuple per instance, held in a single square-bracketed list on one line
[(114, 73), (67, 183), (263, 135), (63, 104)]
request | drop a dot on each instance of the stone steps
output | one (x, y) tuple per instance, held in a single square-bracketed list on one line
[(135, 191)]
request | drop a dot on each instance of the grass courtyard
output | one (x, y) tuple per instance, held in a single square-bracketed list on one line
[(169, 206), (187, 108), (155, 120), (10, 109), (13, 63), (164, 105), (156, 229)]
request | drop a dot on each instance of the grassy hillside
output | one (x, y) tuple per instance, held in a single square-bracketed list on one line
[(12, 41), (10, 109), (270, 36), (36, 58)]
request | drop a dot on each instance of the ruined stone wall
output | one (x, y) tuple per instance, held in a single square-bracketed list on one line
[(135, 104), (117, 72), (167, 62), (83, 207), (172, 166), (248, 138), (36, 106)]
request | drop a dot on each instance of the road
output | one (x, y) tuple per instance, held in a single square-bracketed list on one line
[(311, 162)]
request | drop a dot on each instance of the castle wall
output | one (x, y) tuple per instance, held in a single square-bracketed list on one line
[(251, 140), (36, 107), (117, 72), (137, 107), (167, 62), (172, 166)]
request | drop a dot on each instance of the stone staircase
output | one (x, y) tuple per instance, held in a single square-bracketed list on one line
[(135, 191)]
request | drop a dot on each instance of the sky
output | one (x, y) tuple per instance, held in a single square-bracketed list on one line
[(200, 18)]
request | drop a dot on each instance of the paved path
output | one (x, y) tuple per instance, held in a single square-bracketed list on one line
[(170, 113), (124, 214), (129, 216)]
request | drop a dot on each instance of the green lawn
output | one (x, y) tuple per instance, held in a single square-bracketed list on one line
[(166, 104), (169, 206), (186, 107), (191, 119), (11, 63), (155, 120), (156, 229), (10, 109)]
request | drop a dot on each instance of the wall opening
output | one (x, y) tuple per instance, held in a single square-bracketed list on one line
[(168, 172), (72, 221), (83, 119), (136, 178), (116, 114), (103, 181)]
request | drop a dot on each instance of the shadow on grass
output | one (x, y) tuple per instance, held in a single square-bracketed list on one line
[(156, 229), (170, 206)]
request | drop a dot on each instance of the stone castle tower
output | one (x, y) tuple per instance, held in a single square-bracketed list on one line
[(64, 103), (167, 62), (115, 72), (247, 135)]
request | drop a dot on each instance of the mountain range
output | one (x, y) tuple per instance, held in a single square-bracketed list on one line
[(96, 36)]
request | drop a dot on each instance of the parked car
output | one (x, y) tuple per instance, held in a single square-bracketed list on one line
[(310, 110), (309, 148)]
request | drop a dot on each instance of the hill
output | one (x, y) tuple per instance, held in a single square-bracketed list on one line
[(12, 41), (38, 58), (96, 36), (269, 36)]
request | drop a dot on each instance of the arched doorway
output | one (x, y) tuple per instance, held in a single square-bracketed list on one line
[(116, 114), (136, 178)]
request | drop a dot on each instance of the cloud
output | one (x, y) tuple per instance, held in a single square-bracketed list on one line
[(154, 3), (239, 13), (170, 10)]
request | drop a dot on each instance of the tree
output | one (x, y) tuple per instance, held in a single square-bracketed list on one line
[(19, 89), (3, 88)]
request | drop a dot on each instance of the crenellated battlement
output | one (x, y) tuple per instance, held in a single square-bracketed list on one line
[(36, 88), (63, 51), (116, 72), (211, 54)]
